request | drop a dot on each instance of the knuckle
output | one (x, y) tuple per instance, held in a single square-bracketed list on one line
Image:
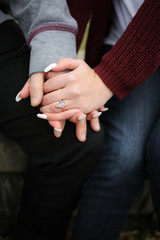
[(72, 77), (33, 90), (85, 104), (45, 85), (52, 107), (86, 108), (75, 91), (81, 61), (45, 100), (42, 109)]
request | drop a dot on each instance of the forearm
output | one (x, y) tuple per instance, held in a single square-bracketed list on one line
[(136, 55)]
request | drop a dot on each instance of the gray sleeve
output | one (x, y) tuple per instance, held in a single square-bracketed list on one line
[(49, 29)]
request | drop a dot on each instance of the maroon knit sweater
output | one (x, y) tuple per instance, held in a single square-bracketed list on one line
[(134, 57)]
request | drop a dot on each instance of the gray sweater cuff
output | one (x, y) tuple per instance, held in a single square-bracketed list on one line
[(49, 47)]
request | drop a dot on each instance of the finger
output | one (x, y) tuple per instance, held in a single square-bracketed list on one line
[(81, 130), (81, 127), (103, 109), (94, 120), (36, 88), (96, 115), (58, 116), (89, 115), (67, 63), (58, 127), (49, 75), (55, 83), (78, 116), (49, 67), (24, 93), (53, 97), (95, 124), (57, 107), (63, 123), (55, 124)]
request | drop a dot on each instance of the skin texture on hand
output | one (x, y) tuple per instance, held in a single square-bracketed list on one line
[(34, 89), (81, 89)]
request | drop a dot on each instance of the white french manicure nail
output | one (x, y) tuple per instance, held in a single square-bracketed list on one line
[(49, 67), (82, 117), (58, 132), (58, 129), (104, 109), (97, 115), (42, 116), (18, 98)]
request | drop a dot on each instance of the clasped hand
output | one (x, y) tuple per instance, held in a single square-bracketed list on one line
[(81, 90)]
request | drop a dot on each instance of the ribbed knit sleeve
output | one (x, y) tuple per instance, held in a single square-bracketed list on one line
[(136, 55)]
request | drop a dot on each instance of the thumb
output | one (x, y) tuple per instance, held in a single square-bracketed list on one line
[(36, 88), (24, 93), (63, 64)]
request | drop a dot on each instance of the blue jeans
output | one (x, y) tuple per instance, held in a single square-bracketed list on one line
[(131, 152)]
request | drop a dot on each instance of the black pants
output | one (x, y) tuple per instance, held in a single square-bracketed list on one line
[(57, 168)]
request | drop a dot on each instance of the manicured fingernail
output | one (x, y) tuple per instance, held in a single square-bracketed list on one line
[(83, 137), (58, 132), (97, 115), (82, 117), (34, 101), (50, 67), (58, 129), (18, 98), (104, 109), (42, 116)]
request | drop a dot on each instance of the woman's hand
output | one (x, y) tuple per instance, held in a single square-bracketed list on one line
[(34, 89), (80, 89)]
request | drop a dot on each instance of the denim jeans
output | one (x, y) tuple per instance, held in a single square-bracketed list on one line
[(131, 152)]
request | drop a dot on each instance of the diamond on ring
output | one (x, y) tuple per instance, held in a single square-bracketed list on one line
[(61, 105)]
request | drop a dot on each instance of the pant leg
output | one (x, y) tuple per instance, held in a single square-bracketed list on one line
[(57, 167), (120, 172), (153, 162)]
